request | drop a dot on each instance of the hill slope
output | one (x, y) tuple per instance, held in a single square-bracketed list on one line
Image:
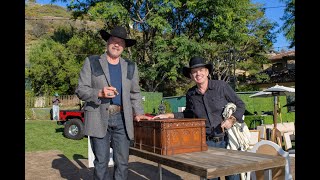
[(38, 10)]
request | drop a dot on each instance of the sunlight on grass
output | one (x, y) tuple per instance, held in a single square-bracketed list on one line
[(44, 135)]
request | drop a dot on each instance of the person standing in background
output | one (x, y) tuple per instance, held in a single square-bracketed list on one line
[(55, 107), (110, 87)]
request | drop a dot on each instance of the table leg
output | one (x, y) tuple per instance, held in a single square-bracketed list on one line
[(268, 174), (160, 171)]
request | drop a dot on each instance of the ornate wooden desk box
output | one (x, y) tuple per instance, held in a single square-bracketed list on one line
[(170, 136)]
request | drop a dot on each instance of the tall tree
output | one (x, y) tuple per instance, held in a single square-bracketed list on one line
[(55, 61), (170, 32), (52, 68), (289, 21)]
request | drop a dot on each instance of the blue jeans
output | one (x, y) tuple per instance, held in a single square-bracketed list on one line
[(120, 143), (222, 144), (55, 112)]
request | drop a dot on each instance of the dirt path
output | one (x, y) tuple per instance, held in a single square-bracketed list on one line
[(53, 165)]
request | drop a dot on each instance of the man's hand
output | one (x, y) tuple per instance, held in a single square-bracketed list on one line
[(164, 116), (108, 92), (140, 117), (228, 123)]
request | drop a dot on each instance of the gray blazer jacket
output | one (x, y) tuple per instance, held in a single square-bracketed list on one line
[(95, 111)]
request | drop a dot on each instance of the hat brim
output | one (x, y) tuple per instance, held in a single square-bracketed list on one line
[(105, 36), (186, 70)]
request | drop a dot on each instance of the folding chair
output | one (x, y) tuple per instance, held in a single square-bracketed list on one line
[(263, 132), (254, 137), (288, 144)]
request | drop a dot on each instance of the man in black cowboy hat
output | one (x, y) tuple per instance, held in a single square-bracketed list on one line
[(110, 87), (207, 99)]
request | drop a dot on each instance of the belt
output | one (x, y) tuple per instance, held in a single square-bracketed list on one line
[(215, 139), (112, 109)]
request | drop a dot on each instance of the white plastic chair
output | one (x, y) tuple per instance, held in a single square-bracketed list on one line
[(271, 148)]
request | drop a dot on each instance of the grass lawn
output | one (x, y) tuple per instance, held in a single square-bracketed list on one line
[(43, 135)]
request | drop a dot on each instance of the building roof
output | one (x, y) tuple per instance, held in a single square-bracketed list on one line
[(281, 55), (280, 75)]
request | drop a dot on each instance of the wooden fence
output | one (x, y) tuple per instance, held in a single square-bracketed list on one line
[(46, 101)]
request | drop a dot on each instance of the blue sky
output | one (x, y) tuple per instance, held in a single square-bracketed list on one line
[(274, 11)]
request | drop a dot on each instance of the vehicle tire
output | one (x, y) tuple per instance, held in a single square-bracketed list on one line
[(74, 129)]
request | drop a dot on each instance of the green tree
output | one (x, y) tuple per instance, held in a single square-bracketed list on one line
[(52, 68), (85, 43), (262, 77), (289, 21), (169, 33), (55, 62)]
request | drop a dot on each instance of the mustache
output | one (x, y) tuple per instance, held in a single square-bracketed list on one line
[(116, 48)]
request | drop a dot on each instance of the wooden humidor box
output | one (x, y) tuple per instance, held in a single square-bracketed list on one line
[(170, 136)]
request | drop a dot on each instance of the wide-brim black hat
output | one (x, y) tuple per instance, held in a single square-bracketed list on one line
[(119, 32), (194, 63)]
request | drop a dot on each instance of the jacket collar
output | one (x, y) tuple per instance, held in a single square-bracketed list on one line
[(211, 85)]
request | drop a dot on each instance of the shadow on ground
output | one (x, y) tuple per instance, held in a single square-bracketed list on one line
[(76, 170), (148, 171), (69, 170)]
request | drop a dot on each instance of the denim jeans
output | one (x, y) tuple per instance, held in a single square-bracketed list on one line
[(55, 112), (222, 144), (120, 143)]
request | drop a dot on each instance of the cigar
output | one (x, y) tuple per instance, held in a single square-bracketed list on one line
[(117, 93)]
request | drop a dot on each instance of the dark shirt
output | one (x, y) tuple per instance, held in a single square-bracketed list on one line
[(211, 104), (55, 101)]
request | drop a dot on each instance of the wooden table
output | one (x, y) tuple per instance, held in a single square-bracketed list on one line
[(215, 162)]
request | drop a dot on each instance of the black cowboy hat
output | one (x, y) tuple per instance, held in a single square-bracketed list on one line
[(119, 32), (194, 63)]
